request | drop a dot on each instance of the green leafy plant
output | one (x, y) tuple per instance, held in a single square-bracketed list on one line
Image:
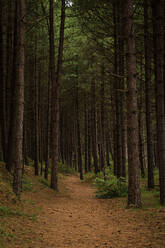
[(90, 177), (65, 169), (111, 187), (44, 181)]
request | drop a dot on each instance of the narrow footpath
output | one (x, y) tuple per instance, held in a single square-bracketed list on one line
[(76, 219)]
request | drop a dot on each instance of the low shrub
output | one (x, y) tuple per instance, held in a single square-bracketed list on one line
[(111, 187), (90, 177), (65, 169), (44, 181)]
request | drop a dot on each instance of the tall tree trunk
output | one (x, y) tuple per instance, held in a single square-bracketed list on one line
[(55, 90), (36, 118), (157, 8), (140, 121), (54, 102), (2, 90), (115, 106), (89, 140), (86, 134), (11, 37), (19, 101), (79, 152), (102, 95), (148, 96), (107, 142), (121, 100), (134, 194), (48, 130), (118, 67), (93, 126), (10, 97)]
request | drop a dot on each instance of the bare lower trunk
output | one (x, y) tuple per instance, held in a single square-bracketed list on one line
[(79, 152), (36, 122), (2, 91), (55, 90), (102, 115), (89, 140), (86, 135), (134, 195), (93, 126), (19, 102), (157, 7), (148, 96)]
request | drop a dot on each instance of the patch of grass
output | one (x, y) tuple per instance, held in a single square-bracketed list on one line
[(5, 236), (32, 203), (34, 217), (151, 199), (91, 176), (6, 190), (7, 212), (2, 245), (27, 184), (44, 182), (65, 169)]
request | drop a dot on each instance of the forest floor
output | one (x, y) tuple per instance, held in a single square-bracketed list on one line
[(74, 218)]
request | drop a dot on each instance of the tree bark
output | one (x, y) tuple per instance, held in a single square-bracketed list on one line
[(55, 90), (89, 140), (48, 130), (157, 8), (148, 96), (36, 118), (140, 122), (93, 125), (134, 194), (2, 89), (10, 93), (85, 134), (79, 152), (102, 138), (19, 102)]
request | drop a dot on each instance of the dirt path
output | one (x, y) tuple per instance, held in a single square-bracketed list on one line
[(75, 219)]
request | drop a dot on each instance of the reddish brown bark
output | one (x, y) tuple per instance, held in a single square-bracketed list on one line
[(19, 100), (157, 8), (134, 195)]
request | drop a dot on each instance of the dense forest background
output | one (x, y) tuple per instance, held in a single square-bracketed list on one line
[(82, 84)]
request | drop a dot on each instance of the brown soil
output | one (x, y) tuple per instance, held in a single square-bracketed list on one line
[(74, 218)]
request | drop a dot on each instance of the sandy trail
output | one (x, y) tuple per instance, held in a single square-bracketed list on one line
[(75, 219)]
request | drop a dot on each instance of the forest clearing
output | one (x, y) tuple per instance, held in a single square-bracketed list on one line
[(74, 218)]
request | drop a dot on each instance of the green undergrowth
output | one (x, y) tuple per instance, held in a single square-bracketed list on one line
[(107, 185), (44, 182), (111, 187), (6, 192), (90, 177), (6, 211), (27, 184), (5, 236), (65, 169), (151, 198)]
